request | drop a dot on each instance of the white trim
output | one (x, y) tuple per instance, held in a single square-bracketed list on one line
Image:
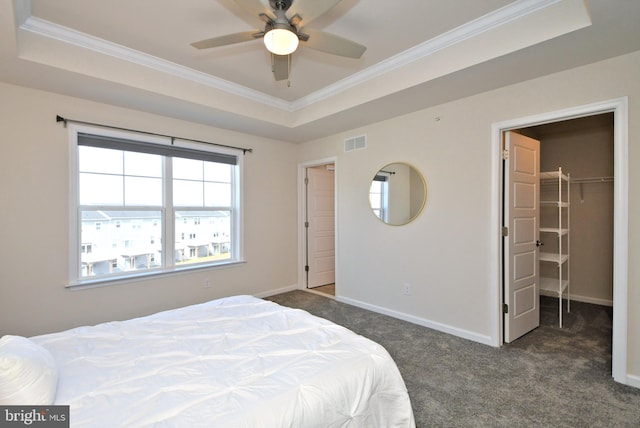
[(313, 291), (68, 35), (445, 328), (302, 215), (148, 276), (619, 107), (22, 11), (633, 380), (74, 185), (467, 31), (450, 38), (277, 291), (620, 238)]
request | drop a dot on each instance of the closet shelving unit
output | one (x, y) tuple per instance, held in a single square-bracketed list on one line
[(561, 201)]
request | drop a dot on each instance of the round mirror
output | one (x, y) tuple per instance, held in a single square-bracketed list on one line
[(397, 194)]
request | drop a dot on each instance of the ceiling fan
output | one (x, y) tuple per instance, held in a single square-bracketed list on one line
[(283, 32)]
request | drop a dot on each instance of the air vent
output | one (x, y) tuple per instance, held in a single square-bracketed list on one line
[(355, 143)]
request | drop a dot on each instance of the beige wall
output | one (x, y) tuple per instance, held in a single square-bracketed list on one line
[(444, 254), (34, 225)]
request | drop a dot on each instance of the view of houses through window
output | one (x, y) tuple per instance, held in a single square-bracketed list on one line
[(116, 241), (142, 211)]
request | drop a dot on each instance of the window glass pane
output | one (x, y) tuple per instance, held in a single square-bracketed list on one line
[(100, 189), (125, 241), (143, 191), (375, 201), (142, 164), (202, 236), (217, 172), (375, 195), (123, 211), (93, 159), (217, 194), (187, 193), (187, 169)]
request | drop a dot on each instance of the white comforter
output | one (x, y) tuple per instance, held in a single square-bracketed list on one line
[(233, 362)]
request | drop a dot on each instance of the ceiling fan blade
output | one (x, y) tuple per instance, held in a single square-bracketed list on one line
[(330, 43), (308, 10), (229, 39), (280, 66), (254, 7)]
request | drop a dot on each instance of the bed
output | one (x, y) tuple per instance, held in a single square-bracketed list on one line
[(234, 362)]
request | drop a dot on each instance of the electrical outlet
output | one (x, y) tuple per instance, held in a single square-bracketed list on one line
[(407, 289), (206, 283)]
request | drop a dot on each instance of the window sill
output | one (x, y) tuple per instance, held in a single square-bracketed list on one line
[(89, 283)]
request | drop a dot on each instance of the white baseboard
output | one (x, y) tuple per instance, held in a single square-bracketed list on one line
[(455, 331), (579, 298), (633, 380), (276, 291)]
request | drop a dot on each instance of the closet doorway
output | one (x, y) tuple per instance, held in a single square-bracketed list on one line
[(317, 222), (600, 190), (583, 148)]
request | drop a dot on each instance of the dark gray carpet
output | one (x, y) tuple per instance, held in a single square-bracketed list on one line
[(551, 377)]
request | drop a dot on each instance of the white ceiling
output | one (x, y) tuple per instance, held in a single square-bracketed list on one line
[(420, 53)]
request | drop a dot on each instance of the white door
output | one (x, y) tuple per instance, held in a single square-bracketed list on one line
[(522, 211), (320, 226)]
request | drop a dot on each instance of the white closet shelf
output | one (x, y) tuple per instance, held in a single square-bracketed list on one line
[(560, 283), (551, 175), (551, 285), (554, 257), (556, 230), (555, 204)]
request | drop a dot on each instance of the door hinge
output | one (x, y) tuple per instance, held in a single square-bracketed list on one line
[(306, 268), (505, 308), (505, 154), (306, 224), (505, 231), (306, 180)]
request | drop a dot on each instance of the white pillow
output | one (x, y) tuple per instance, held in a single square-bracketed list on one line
[(28, 372)]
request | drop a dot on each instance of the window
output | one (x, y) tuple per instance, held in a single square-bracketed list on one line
[(138, 196), (378, 195)]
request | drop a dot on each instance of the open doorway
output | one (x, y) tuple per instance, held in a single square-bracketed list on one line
[(560, 243), (318, 227), (619, 235), (583, 147)]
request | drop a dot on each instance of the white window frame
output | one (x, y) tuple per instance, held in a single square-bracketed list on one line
[(168, 264)]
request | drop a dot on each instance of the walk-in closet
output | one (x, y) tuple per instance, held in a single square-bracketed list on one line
[(583, 149)]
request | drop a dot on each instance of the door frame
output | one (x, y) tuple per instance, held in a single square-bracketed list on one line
[(302, 215), (619, 107)]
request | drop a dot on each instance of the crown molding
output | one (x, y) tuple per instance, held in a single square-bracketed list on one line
[(466, 31), (457, 35), (64, 34)]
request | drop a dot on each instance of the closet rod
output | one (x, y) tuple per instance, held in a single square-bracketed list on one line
[(591, 180), (65, 121)]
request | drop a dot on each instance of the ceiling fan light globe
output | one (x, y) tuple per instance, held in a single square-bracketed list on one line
[(281, 41)]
